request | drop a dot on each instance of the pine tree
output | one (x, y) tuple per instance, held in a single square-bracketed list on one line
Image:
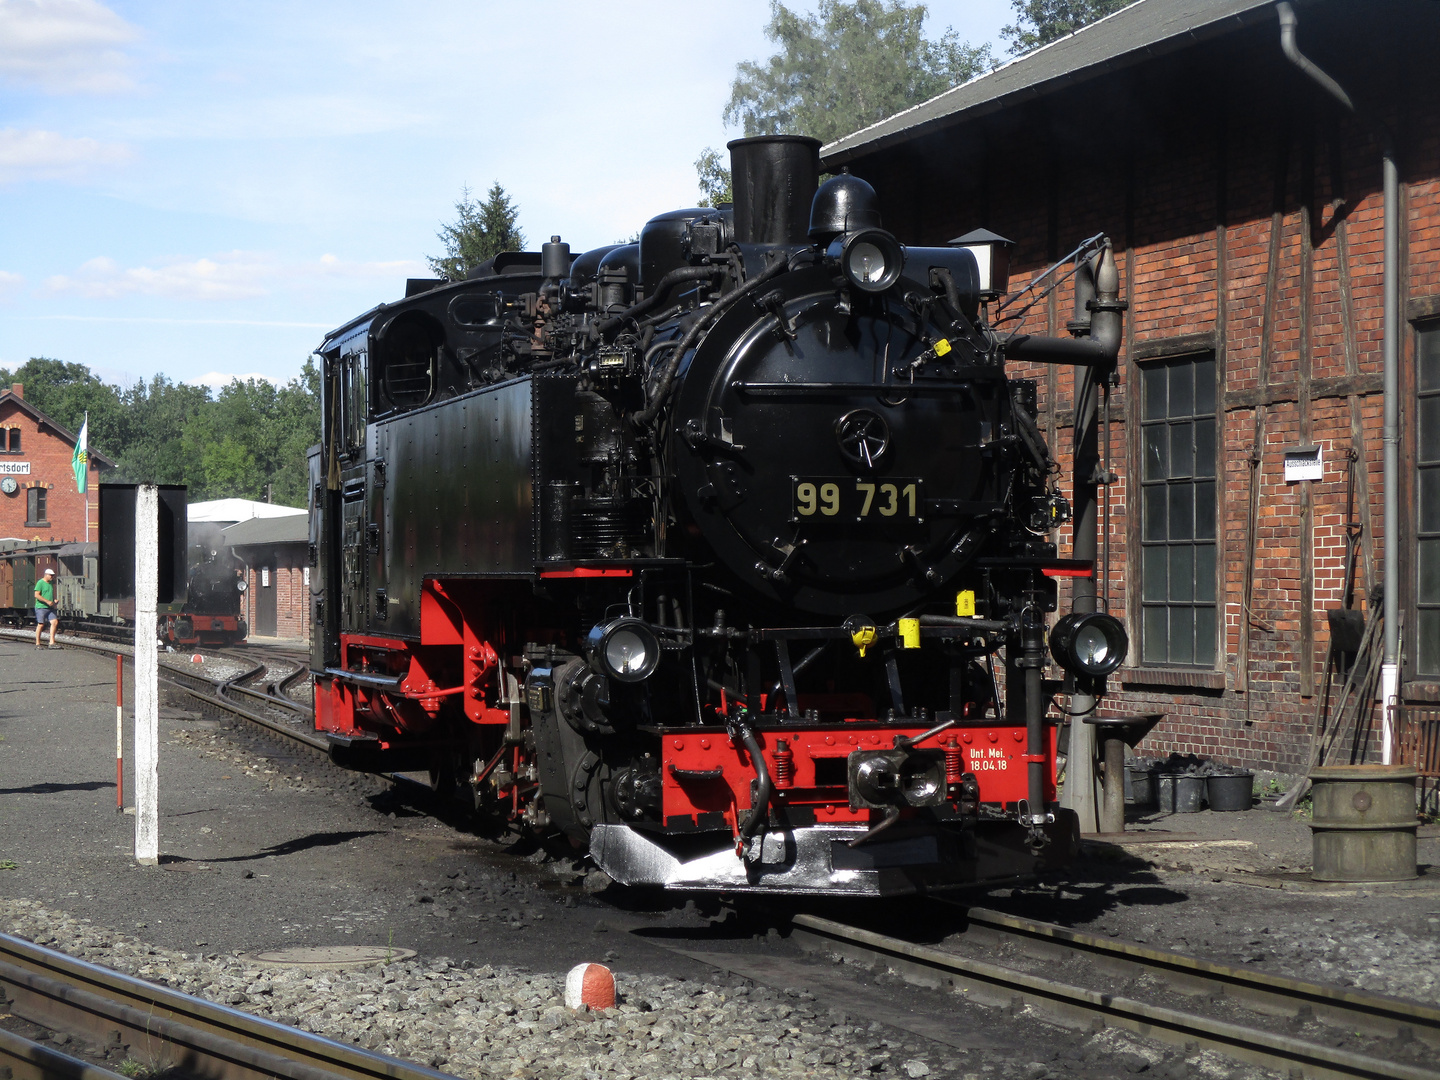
[(480, 232)]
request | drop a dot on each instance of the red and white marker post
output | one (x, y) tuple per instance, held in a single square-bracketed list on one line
[(119, 735)]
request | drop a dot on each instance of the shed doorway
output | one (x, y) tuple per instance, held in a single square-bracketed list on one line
[(265, 624)]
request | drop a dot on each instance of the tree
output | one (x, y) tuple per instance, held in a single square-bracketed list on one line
[(157, 445), (252, 436), (845, 67), (714, 179), (849, 65), (1039, 22), (482, 231), (66, 393)]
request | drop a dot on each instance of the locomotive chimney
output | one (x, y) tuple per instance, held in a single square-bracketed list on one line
[(774, 179)]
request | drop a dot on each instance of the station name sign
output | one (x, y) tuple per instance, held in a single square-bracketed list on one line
[(14, 468)]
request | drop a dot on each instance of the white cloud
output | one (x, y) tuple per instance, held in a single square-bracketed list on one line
[(331, 266), (64, 46), (218, 380), (9, 284), (236, 275), (47, 155)]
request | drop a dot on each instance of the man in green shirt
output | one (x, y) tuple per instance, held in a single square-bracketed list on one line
[(45, 607)]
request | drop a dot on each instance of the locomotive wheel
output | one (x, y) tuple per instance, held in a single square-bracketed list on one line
[(443, 782)]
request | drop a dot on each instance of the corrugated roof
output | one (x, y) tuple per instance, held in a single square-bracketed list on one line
[(1139, 32), (294, 529)]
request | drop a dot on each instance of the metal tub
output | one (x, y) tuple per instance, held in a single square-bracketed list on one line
[(1364, 822)]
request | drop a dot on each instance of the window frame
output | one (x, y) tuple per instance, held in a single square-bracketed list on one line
[(37, 498), (1427, 332), (1175, 491)]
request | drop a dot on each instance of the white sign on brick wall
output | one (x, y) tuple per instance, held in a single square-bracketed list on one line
[(15, 468), (1303, 463)]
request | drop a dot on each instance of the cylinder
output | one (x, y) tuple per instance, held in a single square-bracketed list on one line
[(774, 178), (555, 259), (1363, 824)]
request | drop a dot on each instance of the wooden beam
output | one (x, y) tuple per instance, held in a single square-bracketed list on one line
[(1332, 386), (1307, 427)]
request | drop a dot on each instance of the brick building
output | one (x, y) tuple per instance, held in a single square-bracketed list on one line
[(275, 551), (38, 498), (1245, 206)]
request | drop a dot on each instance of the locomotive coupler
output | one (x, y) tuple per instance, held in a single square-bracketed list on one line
[(737, 726)]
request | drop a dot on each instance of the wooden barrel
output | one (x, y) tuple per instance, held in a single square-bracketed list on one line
[(1364, 823)]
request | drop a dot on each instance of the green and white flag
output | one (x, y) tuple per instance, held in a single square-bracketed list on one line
[(80, 461)]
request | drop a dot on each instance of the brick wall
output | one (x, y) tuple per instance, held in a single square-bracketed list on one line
[(287, 563), (48, 455), (1247, 220)]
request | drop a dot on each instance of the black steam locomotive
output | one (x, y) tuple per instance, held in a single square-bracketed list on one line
[(724, 555), (214, 608)]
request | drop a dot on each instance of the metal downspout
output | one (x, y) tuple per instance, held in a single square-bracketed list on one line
[(1390, 354)]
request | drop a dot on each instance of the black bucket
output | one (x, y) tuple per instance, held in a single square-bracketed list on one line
[(1181, 793), (1139, 785), (1228, 792)]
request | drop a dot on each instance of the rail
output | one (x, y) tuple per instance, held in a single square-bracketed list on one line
[(989, 982), (166, 1027)]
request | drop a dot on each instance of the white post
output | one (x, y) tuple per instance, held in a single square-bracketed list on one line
[(1389, 703), (147, 675), (1078, 794)]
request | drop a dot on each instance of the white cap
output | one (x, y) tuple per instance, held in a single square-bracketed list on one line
[(49, 570)]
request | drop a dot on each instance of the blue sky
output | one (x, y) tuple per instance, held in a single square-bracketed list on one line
[(202, 189)]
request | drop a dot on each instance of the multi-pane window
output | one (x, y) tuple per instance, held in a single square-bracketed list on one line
[(14, 440), (35, 506), (1427, 519), (1177, 491)]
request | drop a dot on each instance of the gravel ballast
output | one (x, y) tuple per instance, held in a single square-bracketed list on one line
[(492, 1020)]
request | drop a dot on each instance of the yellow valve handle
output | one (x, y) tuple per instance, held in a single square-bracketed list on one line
[(863, 638)]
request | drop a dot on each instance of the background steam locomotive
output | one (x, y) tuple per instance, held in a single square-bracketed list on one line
[(211, 612), (723, 555)]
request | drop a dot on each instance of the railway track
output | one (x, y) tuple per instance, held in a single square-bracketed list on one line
[(1219, 987), (217, 695), (164, 1029)]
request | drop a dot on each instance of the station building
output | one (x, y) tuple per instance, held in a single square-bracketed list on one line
[(38, 496), (1245, 206)]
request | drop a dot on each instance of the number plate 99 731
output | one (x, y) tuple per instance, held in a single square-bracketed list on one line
[(850, 499)]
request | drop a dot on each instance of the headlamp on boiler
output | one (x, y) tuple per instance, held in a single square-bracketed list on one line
[(625, 649), (870, 259), (1092, 644)]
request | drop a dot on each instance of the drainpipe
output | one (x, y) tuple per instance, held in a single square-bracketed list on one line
[(1390, 352)]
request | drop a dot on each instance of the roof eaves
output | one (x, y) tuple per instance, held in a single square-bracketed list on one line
[(65, 433), (991, 94)]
